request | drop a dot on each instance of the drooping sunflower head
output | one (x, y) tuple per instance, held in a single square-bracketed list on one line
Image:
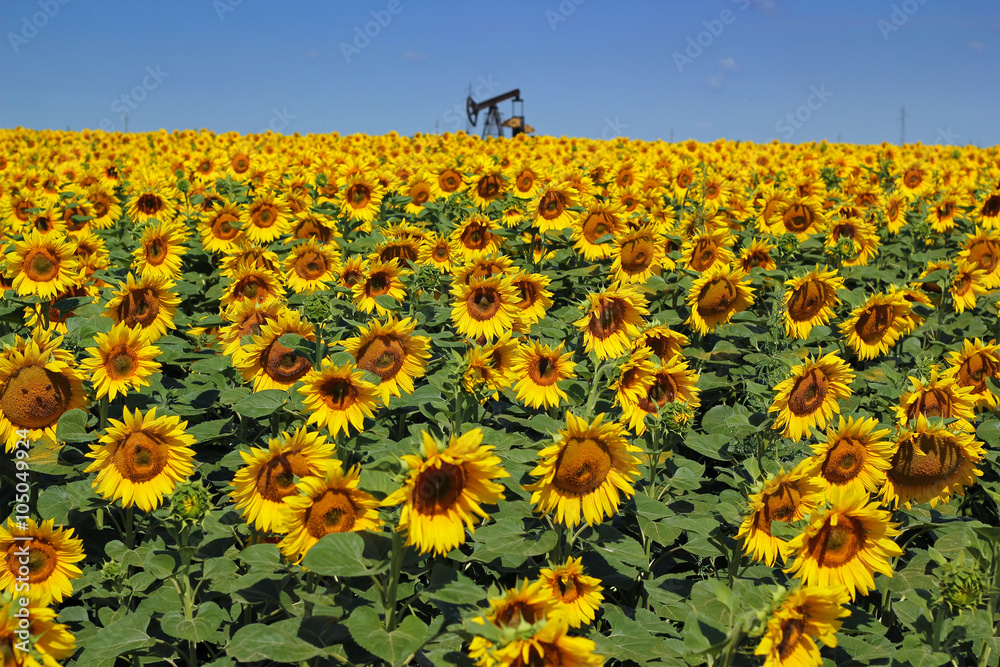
[(338, 396), (141, 459), (809, 397), (445, 491), (932, 462), (539, 368), (717, 295), (584, 475), (260, 487), (810, 300), (785, 497)]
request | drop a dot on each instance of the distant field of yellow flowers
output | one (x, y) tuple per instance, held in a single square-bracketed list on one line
[(435, 400)]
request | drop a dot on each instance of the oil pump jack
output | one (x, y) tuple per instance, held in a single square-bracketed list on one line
[(494, 125)]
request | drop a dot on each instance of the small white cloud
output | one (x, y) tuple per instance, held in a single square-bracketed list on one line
[(728, 65), (976, 46), (414, 56)]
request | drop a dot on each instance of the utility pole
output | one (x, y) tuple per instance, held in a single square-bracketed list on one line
[(902, 125)]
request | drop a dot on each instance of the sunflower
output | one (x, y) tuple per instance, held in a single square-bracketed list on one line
[(785, 497), (483, 265), (328, 503), (932, 462), (600, 221), (90, 249), (845, 543), (447, 180), (57, 317), (805, 615), (757, 255), (420, 190), (260, 487), (268, 363), (638, 254), (391, 352), (862, 236), (122, 360), (529, 603), (967, 284), (914, 182), (539, 369), (535, 299), (894, 213), (141, 459), (874, 327), (942, 397), (549, 210), (612, 319), (855, 454), (49, 555), (45, 643), (338, 396), (160, 251), (382, 279), (42, 266), (351, 271), (266, 218), (526, 181), (309, 266), (717, 295), (583, 476), (707, 249), (475, 236), (360, 199), (941, 213), (487, 185), (548, 645), (149, 200), (246, 319), (445, 491), (973, 365), (307, 225), (252, 284), (988, 215), (248, 255), (672, 382), (810, 300), (577, 596), (147, 303), (808, 398), (440, 252), (38, 384), (634, 379), (491, 365), (485, 308), (220, 231), (983, 250), (403, 250), (802, 216), (665, 343)]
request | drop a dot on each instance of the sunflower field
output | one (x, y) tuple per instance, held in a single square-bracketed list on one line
[(436, 400)]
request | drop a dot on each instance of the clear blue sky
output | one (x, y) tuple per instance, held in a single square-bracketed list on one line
[(591, 68)]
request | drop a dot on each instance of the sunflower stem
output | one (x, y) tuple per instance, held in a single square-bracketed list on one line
[(130, 527), (394, 568), (595, 387), (104, 412)]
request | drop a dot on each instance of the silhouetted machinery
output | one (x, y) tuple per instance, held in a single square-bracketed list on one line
[(494, 125)]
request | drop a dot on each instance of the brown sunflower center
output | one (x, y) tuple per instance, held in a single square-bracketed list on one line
[(808, 393), (798, 218), (525, 180), (758, 258), (241, 163), (449, 181), (567, 588), (703, 254), (150, 204), (637, 254), (489, 186), (359, 195), (310, 265), (913, 177), (925, 458), (332, 512), (607, 318), (807, 300), (598, 224), (974, 371), (252, 288), (834, 546), (140, 457), (874, 322), (543, 371), (437, 489), (582, 465), (513, 613), (283, 364), (156, 252), (420, 194), (276, 478), (716, 298), (402, 251), (780, 505), (476, 236), (309, 228), (378, 284), (41, 265), (42, 561), (35, 397), (791, 633), (338, 393), (139, 307), (222, 227), (440, 252), (932, 402), (552, 205), (844, 461), (351, 277), (101, 207), (986, 254), (483, 303), (264, 216), (383, 356), (121, 363), (991, 207)]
